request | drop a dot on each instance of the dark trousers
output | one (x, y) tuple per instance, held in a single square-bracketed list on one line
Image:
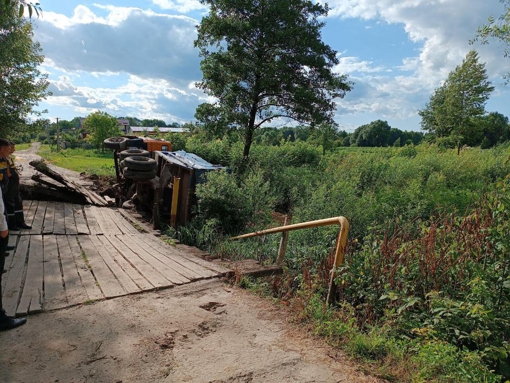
[(12, 198), (3, 248)]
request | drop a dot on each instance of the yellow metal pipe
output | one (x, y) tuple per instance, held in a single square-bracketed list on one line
[(304, 225), (341, 242), (175, 201)]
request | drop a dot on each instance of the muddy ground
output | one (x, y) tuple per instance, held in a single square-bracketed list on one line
[(207, 331)]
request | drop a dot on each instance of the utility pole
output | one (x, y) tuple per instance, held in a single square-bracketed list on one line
[(58, 138)]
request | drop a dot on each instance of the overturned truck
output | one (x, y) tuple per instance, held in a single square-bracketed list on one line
[(157, 180)]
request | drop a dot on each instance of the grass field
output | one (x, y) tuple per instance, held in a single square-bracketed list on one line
[(80, 160)]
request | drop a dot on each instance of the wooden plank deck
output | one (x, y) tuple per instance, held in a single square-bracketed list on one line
[(76, 254)]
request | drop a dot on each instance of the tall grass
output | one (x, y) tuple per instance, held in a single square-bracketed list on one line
[(426, 274)]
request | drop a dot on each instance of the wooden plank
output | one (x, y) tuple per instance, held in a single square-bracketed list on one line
[(49, 219), (110, 255), (90, 216), (87, 279), (124, 226), (29, 208), (59, 227), (128, 268), (108, 284), (113, 222), (102, 223), (172, 253), (187, 252), (9, 258), (141, 225), (12, 283), (188, 273), (79, 217), (75, 291), (31, 297), (152, 258), (54, 292), (39, 213), (150, 273), (69, 221), (127, 226)]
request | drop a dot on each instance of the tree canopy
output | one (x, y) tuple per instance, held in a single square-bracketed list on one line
[(455, 105), (22, 85), (498, 28), (101, 126), (264, 60)]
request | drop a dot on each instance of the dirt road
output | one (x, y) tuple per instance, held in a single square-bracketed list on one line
[(207, 331)]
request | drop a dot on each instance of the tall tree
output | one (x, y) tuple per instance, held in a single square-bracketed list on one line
[(263, 60), (100, 126), (454, 106), (22, 85), (499, 29), (377, 133)]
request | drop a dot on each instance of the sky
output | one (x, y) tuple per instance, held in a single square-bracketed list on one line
[(137, 59)]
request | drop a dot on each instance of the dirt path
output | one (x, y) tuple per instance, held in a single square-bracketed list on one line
[(206, 331)]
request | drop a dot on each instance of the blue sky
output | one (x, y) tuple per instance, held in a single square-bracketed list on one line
[(136, 58)]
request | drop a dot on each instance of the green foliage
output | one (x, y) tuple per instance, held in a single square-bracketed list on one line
[(100, 126), (22, 85), (426, 271), (234, 206), (267, 61), (456, 104), (498, 28)]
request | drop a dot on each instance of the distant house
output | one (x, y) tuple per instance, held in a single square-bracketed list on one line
[(123, 124), (149, 130)]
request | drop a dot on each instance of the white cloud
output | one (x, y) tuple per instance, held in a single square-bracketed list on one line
[(348, 65), (182, 6)]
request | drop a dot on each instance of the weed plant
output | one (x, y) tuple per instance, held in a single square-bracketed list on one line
[(424, 292)]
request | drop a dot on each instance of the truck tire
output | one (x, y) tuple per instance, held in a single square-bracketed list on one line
[(135, 143), (134, 152), (140, 163), (115, 143), (137, 175)]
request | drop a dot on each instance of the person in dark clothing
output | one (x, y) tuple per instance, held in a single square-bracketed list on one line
[(6, 322), (12, 198)]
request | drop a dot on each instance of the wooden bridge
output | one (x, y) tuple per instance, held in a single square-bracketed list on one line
[(76, 254)]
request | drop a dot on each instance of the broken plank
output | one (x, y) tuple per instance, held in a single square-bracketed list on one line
[(83, 269), (38, 221), (124, 226), (75, 291), (54, 292), (101, 221), (171, 253), (92, 224), (31, 297), (69, 221), (150, 273), (170, 273), (127, 266), (79, 217), (109, 255), (108, 284), (13, 281), (59, 227), (49, 219)]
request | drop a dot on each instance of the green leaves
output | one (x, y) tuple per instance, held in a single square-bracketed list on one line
[(264, 60), (456, 104)]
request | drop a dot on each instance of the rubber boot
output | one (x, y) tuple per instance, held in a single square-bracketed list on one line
[(20, 220)]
